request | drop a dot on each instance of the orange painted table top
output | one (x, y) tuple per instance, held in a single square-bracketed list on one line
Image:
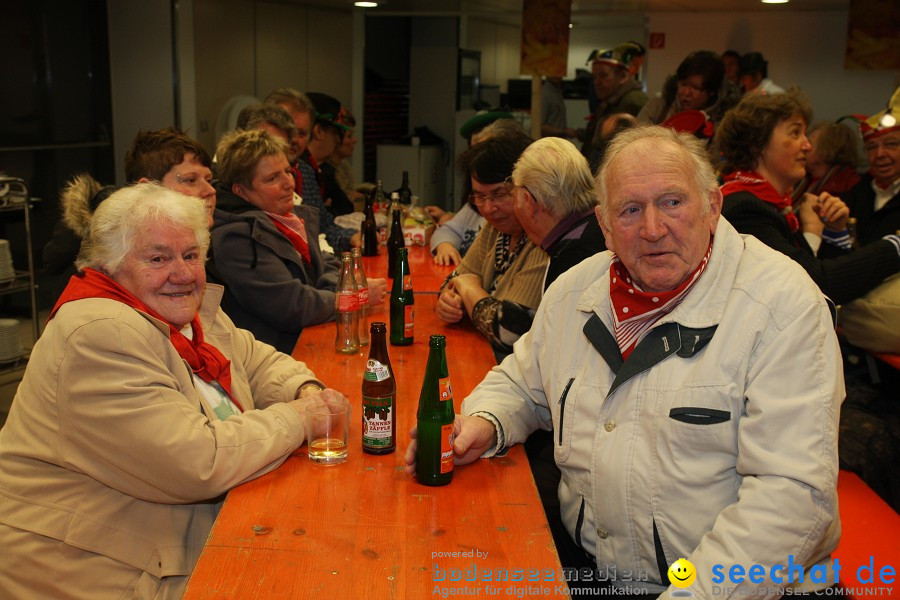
[(366, 529), (427, 276)]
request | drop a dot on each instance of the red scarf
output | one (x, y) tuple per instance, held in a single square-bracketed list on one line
[(756, 184), (293, 229), (636, 311), (204, 359)]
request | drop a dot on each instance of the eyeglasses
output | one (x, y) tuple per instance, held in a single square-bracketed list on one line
[(498, 197)]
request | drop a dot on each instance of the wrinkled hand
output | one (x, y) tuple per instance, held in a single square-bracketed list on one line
[(833, 211), (472, 437), (449, 307), (377, 290), (809, 218), (446, 254), (329, 398)]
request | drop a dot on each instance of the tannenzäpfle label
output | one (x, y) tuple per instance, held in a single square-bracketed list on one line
[(378, 421)]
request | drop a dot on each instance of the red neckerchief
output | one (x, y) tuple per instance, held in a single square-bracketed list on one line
[(636, 311), (293, 230), (756, 184), (204, 359)]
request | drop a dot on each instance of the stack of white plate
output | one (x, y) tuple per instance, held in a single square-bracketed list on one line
[(10, 342), (7, 272)]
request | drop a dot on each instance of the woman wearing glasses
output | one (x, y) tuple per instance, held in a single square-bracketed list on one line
[(498, 283)]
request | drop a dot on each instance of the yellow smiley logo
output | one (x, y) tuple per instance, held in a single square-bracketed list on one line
[(682, 573)]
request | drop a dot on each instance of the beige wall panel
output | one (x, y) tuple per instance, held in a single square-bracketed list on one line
[(330, 51), (223, 53), (281, 47)]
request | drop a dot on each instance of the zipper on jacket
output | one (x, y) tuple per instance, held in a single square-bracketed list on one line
[(579, 523), (562, 408)]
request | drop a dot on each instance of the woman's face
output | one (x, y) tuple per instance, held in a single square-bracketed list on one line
[(345, 150), (272, 189), (165, 270), (691, 93), (783, 160)]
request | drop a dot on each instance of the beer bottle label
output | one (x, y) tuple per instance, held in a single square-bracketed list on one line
[(346, 301), (408, 317), (446, 448), (363, 296), (378, 421), (407, 282), (445, 389), (376, 371)]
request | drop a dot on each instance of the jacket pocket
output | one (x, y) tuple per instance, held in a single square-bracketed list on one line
[(562, 436), (696, 415)]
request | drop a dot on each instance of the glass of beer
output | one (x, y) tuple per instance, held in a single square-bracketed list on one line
[(327, 426)]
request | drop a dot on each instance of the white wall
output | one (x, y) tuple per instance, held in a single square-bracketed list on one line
[(803, 48)]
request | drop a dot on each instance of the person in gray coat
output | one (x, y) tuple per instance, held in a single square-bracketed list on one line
[(266, 249)]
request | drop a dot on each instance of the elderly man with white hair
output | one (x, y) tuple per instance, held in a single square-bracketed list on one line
[(692, 379), (141, 405)]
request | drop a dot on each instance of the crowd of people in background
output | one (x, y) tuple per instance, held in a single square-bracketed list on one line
[(746, 215)]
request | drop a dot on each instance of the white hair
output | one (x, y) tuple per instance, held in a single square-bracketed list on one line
[(119, 218)]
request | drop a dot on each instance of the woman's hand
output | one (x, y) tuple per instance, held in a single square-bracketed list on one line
[(833, 211), (809, 218), (446, 254), (449, 307)]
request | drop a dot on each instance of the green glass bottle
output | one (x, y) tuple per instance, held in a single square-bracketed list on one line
[(379, 397), (402, 302), (434, 419), (395, 239)]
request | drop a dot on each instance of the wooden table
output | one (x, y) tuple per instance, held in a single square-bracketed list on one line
[(366, 529)]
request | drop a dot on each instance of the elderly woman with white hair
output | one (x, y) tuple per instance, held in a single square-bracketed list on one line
[(141, 406)]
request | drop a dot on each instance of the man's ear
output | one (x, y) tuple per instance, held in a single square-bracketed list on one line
[(715, 209), (239, 190), (143, 180)]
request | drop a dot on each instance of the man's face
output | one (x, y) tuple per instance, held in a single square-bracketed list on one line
[(884, 158), (272, 189), (191, 178), (165, 270), (732, 66), (525, 208), (607, 79), (303, 123), (496, 204), (750, 81), (658, 225)]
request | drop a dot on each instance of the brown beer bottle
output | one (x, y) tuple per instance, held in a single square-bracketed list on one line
[(379, 397), (402, 303), (395, 239), (369, 230), (434, 419)]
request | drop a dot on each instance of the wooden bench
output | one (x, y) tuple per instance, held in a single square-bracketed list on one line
[(870, 528)]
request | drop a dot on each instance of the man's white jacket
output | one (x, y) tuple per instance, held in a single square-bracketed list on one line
[(715, 441)]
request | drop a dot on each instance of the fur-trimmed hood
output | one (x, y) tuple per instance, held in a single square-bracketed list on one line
[(79, 199)]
